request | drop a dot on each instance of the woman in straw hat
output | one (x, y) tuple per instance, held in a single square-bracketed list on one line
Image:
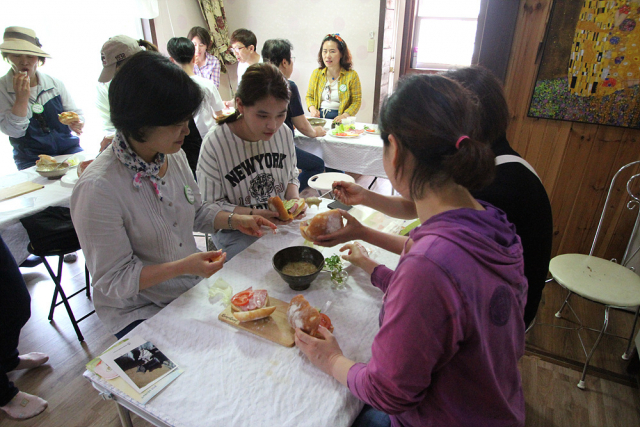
[(30, 102)]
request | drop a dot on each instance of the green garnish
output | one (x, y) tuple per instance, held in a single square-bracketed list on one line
[(333, 262), (334, 265)]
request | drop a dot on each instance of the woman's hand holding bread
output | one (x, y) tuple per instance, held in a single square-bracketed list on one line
[(202, 264), (353, 230)]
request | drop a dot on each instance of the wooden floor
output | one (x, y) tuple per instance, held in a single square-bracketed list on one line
[(550, 338), (552, 398)]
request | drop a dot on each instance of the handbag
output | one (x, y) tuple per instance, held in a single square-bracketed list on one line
[(51, 232)]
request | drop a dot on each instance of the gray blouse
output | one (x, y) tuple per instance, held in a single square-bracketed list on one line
[(122, 228)]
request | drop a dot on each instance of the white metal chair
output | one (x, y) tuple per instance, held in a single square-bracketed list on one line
[(599, 280)]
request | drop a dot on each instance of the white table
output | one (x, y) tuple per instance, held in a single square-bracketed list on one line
[(234, 378), (54, 193), (362, 155)]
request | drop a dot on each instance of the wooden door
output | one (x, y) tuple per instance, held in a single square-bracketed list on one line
[(386, 49)]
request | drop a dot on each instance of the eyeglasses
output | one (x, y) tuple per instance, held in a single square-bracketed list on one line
[(42, 122), (238, 49), (199, 45)]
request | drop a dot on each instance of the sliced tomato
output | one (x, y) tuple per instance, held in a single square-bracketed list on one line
[(341, 134), (242, 298), (325, 321)]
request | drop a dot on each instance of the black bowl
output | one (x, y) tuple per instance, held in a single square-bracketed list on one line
[(295, 254)]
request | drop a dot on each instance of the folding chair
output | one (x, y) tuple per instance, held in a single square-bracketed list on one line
[(595, 279)]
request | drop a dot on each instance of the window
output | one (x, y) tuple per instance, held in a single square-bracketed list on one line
[(444, 34)]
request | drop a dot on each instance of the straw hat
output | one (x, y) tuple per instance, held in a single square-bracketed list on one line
[(22, 41), (114, 51)]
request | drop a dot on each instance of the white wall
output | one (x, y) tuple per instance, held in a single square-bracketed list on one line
[(176, 18), (303, 22)]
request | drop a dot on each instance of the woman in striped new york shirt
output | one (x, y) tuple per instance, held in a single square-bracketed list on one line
[(250, 156)]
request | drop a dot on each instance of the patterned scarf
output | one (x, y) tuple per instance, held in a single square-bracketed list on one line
[(130, 159)]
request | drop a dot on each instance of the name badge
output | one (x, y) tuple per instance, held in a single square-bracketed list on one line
[(37, 108), (343, 88), (188, 193)]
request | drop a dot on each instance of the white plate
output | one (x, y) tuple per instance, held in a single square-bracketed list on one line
[(70, 178), (347, 136), (65, 157), (324, 181)]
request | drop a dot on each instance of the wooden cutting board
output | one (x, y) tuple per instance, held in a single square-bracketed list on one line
[(275, 328), (19, 189)]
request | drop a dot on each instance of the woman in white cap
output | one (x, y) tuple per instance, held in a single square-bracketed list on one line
[(115, 52), (30, 102)]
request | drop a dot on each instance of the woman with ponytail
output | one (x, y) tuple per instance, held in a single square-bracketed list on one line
[(451, 329), (250, 156)]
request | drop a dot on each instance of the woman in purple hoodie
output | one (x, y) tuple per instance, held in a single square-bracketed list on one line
[(451, 328)]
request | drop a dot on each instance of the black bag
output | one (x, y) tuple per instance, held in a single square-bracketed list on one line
[(51, 232)]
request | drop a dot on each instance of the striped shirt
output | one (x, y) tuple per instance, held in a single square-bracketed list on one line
[(210, 70), (349, 90), (232, 172)]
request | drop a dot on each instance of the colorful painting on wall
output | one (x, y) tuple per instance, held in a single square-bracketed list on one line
[(590, 67)]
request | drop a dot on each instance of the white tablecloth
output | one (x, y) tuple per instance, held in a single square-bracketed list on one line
[(361, 155), (54, 193), (233, 378)]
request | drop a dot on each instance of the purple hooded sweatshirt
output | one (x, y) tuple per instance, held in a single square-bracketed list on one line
[(451, 328)]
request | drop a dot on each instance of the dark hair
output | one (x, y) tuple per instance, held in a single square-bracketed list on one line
[(148, 91), (276, 50), (200, 33), (150, 47), (246, 37), (41, 59), (260, 81), (181, 49), (427, 115), (494, 111), (345, 59)]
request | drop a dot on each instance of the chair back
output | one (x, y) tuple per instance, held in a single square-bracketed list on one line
[(631, 249)]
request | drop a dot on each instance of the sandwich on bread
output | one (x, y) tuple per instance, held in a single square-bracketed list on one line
[(302, 315), (46, 160), (251, 305), (322, 224), (68, 117), (284, 207)]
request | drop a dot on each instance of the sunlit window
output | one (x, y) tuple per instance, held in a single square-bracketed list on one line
[(445, 33)]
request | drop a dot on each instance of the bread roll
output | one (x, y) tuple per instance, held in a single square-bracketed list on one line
[(68, 117), (46, 160), (277, 205), (82, 166), (322, 224), (302, 315), (256, 307)]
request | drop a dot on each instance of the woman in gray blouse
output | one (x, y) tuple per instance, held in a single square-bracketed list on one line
[(136, 206)]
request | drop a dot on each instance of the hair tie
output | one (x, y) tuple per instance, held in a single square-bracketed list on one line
[(462, 138)]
